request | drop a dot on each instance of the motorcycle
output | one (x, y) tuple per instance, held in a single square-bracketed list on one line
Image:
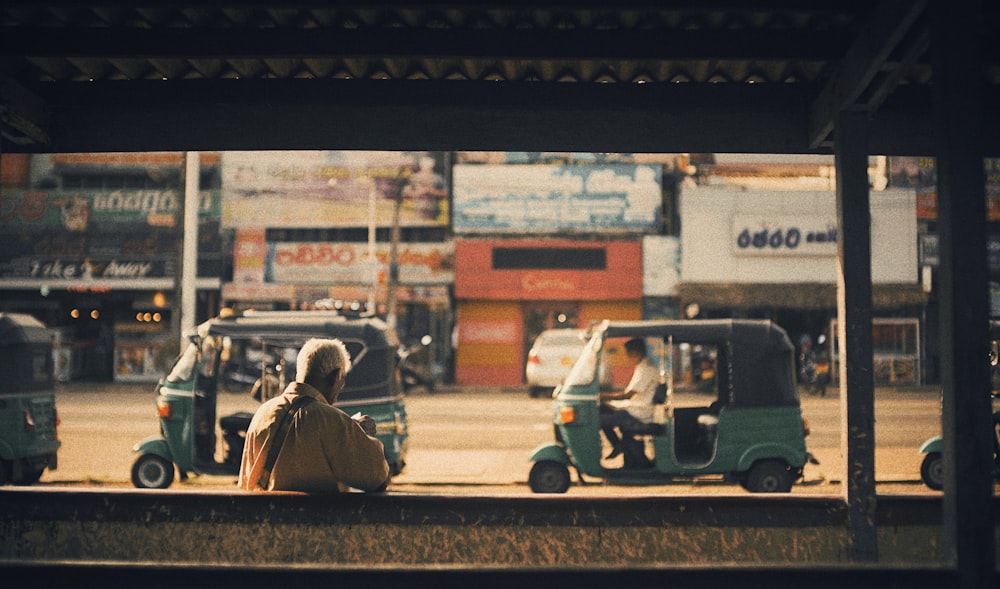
[(415, 369)]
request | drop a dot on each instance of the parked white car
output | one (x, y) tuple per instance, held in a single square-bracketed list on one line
[(551, 356)]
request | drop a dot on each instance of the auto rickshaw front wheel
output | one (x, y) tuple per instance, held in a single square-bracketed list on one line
[(549, 476), (932, 471), (150, 471), (768, 476)]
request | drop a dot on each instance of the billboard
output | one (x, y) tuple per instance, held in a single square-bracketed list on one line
[(86, 234), (308, 189), (612, 198)]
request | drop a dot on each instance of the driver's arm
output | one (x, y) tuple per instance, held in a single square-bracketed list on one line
[(616, 395)]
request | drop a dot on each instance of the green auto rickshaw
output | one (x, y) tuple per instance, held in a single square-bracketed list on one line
[(749, 428), (225, 350), (28, 420), (932, 464)]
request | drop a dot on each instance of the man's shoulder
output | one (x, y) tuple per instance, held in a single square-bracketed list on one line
[(326, 410), (648, 366)]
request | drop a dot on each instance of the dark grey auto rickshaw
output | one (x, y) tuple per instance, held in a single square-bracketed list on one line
[(28, 420), (751, 430)]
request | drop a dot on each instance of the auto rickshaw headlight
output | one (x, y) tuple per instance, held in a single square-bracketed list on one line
[(163, 408), (567, 415)]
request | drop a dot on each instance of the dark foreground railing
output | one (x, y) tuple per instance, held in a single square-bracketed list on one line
[(67, 537)]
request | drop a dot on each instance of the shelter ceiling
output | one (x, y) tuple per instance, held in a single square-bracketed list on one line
[(597, 76)]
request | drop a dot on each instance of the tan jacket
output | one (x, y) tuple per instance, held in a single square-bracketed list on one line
[(325, 450)]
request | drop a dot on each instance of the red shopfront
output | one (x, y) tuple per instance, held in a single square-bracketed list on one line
[(507, 291)]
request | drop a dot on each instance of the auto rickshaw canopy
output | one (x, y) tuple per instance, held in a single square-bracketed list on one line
[(756, 358), (26, 349), (376, 357)]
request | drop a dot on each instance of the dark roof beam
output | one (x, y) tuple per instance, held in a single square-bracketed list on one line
[(887, 82), (23, 116), (890, 24), (618, 44)]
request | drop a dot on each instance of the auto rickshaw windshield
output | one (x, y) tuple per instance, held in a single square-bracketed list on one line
[(183, 368), (585, 368)]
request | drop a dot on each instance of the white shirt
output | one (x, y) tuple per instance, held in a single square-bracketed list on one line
[(645, 377)]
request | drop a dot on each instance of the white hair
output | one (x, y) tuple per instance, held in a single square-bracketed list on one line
[(321, 357)]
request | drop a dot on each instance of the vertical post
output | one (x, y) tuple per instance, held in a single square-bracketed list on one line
[(854, 309), (965, 379), (189, 230), (392, 280), (372, 252)]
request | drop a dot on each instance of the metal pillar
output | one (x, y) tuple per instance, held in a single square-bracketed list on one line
[(854, 310), (965, 378)]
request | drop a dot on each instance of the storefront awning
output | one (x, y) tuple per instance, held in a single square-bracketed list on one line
[(798, 295)]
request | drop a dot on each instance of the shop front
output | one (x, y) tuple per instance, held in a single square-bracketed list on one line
[(121, 331), (507, 291), (773, 255), (91, 246)]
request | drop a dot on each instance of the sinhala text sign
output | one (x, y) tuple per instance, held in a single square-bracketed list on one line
[(552, 198)]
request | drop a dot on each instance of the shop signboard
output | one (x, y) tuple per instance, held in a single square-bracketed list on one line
[(920, 174), (800, 235), (611, 197), (83, 210), (548, 270), (930, 251), (661, 265), (91, 235), (308, 189), (350, 263)]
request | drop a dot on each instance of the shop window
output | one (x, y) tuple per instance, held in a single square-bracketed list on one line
[(895, 350), (549, 258)]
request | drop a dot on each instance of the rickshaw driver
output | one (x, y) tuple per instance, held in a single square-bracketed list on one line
[(634, 405), (324, 450)]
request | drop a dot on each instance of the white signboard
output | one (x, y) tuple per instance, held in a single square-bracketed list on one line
[(802, 235), (661, 265)]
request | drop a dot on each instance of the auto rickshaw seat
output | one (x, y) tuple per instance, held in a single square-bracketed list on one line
[(644, 429), (234, 431), (236, 422), (708, 421)]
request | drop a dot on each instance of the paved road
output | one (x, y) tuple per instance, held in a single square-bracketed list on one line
[(479, 441)]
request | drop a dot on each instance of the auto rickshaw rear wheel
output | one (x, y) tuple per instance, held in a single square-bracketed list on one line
[(768, 476), (932, 471), (549, 476), (30, 475), (150, 471)]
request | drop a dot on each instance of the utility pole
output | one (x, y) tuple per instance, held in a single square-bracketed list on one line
[(392, 280), (189, 229), (186, 220)]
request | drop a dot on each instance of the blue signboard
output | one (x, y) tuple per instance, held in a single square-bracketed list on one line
[(557, 198)]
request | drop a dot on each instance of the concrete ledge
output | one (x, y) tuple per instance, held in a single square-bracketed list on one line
[(156, 575), (204, 529)]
